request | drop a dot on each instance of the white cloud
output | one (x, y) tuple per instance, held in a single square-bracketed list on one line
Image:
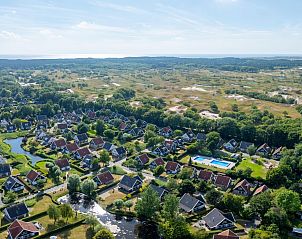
[(9, 35), (93, 26), (119, 7), (49, 33)]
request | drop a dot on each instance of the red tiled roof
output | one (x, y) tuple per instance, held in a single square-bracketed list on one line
[(144, 158), (105, 177), (60, 142), (62, 126), (159, 161), (98, 141), (261, 189), (32, 175), (166, 129), (18, 226), (227, 234), (205, 175), (244, 184), (72, 147), (83, 152), (171, 165), (62, 163), (222, 180)]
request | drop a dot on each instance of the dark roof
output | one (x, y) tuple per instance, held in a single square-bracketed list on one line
[(98, 141), (62, 163), (214, 217), (83, 151), (72, 147), (62, 126), (107, 146), (11, 181), (143, 158), (265, 147), (82, 137), (105, 177), (205, 175), (41, 117), (188, 202), (166, 129), (201, 136), (244, 145), (32, 175), (278, 150), (159, 190), (233, 142), (17, 210), (120, 150), (159, 161), (18, 226), (129, 181), (5, 168), (172, 165), (222, 180), (60, 142), (243, 184)]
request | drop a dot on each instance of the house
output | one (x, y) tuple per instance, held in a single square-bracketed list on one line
[(103, 178), (261, 189), (191, 204), (130, 184), (41, 126), (222, 181), (172, 167), (11, 128), (108, 146), (205, 175), (264, 150), (119, 153), (242, 188), (4, 123), (124, 126), (5, 170), (41, 118), (171, 145), (40, 134), (70, 148), (161, 192), (48, 140), (188, 137), (141, 123), (63, 164), (25, 125), (89, 162), (157, 162), (277, 154), (58, 144), (81, 139), (96, 143), (81, 153), (297, 231), (201, 137), (91, 114), (161, 151), (227, 234), (230, 146), (33, 177), (166, 132), (191, 170), (21, 230), (62, 127), (243, 146), (142, 159), (136, 132), (13, 184), (16, 211), (216, 220)]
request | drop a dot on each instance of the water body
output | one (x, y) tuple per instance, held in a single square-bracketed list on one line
[(16, 148)]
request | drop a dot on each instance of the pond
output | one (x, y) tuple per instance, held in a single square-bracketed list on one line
[(17, 149), (121, 227)]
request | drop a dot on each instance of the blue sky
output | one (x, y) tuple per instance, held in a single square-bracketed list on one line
[(153, 27)]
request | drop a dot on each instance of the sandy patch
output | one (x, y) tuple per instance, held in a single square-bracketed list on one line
[(209, 115), (116, 84), (176, 100), (135, 103), (178, 109), (237, 97), (195, 88)]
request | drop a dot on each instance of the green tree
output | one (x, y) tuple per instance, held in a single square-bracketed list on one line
[(109, 133), (103, 234), (104, 157), (118, 203), (260, 203), (232, 203), (92, 221), (66, 211), (88, 187), (287, 200), (159, 170), (186, 186), (175, 229), (276, 216), (251, 150), (170, 209), (212, 140), (147, 207), (100, 127), (73, 183), (128, 204), (53, 212), (82, 128), (213, 197)]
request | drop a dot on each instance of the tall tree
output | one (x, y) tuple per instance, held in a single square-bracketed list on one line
[(73, 183), (53, 212), (66, 211), (103, 234), (88, 187)]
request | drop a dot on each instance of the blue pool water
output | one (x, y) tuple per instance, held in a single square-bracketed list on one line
[(200, 158), (220, 163)]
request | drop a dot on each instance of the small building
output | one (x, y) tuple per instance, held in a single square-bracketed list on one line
[(58, 144), (25, 125), (5, 170), (171, 145), (62, 127), (242, 188), (63, 164), (172, 167), (33, 176), (142, 159), (166, 132), (227, 234), (16, 211), (207, 176), (119, 153), (201, 137), (108, 146), (130, 184), (188, 137), (230, 146), (70, 148), (11, 128), (161, 192), (21, 230), (81, 153), (81, 139), (136, 132), (161, 151), (277, 154), (222, 181), (216, 220), (96, 143), (260, 190), (264, 150), (191, 204), (243, 146), (104, 178), (157, 162), (13, 184)]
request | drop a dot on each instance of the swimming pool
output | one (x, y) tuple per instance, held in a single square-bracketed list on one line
[(220, 163), (199, 158)]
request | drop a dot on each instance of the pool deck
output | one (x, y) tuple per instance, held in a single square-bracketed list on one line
[(208, 161)]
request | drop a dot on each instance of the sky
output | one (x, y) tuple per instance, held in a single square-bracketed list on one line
[(150, 27)]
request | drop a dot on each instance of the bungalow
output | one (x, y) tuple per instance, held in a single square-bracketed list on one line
[(124, 126), (11, 128), (119, 153), (243, 146), (40, 134), (108, 146), (171, 145), (231, 145), (141, 123), (19, 230), (191, 170), (81, 153), (70, 148), (103, 178), (81, 139), (89, 162), (41, 126), (13, 184), (161, 192), (96, 143), (63, 164), (216, 220), (166, 132), (261, 189), (4, 123), (157, 162), (242, 188), (161, 151), (201, 137), (62, 127), (5, 170), (16, 211), (227, 234), (130, 184), (41, 118), (172, 167), (136, 132), (48, 140), (25, 125), (205, 175), (33, 177), (222, 181), (58, 144), (142, 159), (188, 136), (264, 150), (191, 204), (277, 154)]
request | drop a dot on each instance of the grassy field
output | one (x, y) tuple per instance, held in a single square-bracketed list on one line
[(258, 170)]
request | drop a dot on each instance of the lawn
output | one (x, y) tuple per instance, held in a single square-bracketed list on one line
[(117, 170), (258, 170)]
